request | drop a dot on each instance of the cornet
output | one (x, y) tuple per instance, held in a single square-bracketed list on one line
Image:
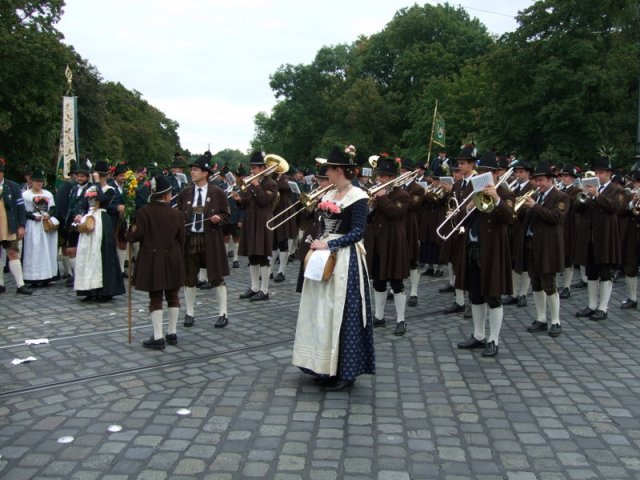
[(391, 184), (523, 198)]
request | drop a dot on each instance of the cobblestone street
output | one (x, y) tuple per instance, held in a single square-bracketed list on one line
[(545, 408)]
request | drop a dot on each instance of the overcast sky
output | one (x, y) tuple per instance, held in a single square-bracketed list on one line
[(206, 63)]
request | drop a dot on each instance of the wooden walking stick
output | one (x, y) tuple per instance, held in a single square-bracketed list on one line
[(129, 292)]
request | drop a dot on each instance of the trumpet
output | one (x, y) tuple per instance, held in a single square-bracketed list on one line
[(274, 163), (480, 200), (523, 198), (307, 201), (437, 192), (391, 184)]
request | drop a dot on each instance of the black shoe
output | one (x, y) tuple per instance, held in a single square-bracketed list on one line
[(271, 276), (598, 315), (585, 312), (509, 300), (89, 298), (378, 323), (628, 303), (522, 301), (221, 322), (230, 254), (467, 312), (390, 295), (413, 301), (236, 264), (247, 294), (24, 290), (206, 286), (2, 289), (565, 293), (537, 327), (103, 298), (324, 380), (259, 296), (491, 350), (338, 385), (199, 283), (472, 342), (448, 289), (279, 278), (171, 338), (188, 321), (555, 329), (125, 275), (70, 280), (580, 284), (401, 328), (454, 308), (438, 273), (155, 344), (428, 272)]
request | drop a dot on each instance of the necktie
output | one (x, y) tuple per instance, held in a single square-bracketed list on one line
[(600, 188), (198, 226), (517, 190), (464, 184)]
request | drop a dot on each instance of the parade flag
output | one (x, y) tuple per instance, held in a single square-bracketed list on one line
[(439, 132), (68, 138)]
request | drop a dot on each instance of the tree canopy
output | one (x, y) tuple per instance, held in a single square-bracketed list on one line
[(563, 84), (114, 122)]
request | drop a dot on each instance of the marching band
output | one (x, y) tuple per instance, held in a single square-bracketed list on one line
[(497, 228)]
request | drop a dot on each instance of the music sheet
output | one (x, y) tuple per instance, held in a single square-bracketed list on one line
[(315, 265), (480, 181)]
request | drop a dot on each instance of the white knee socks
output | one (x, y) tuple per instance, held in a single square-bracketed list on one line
[(254, 270), (173, 313), (400, 300), (495, 324), (380, 300), (479, 314), (221, 293), (414, 279), (632, 287), (156, 320), (540, 300), (605, 294), (554, 307), (264, 280), (15, 267), (190, 299)]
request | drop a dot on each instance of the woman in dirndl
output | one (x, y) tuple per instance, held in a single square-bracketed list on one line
[(334, 332)]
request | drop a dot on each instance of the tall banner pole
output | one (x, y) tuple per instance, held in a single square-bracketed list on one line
[(129, 321), (69, 144), (433, 125)]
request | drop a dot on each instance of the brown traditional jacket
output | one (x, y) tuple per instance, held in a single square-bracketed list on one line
[(569, 229), (517, 231), (546, 221), (601, 221), (290, 228), (416, 195), (257, 203), (493, 243), (385, 237), (215, 203), (160, 262)]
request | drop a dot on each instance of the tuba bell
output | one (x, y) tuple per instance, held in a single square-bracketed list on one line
[(274, 163)]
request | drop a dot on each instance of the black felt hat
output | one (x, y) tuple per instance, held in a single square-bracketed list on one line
[(388, 165), (159, 186), (178, 161), (407, 164), (601, 163), (338, 157), (202, 162), (569, 169), (521, 164), (543, 169), (101, 167), (466, 153), (84, 166), (38, 174), (488, 161), (257, 158), (121, 168), (242, 172), (322, 171)]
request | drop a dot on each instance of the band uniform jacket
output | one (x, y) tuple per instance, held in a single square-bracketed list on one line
[(431, 216), (257, 203), (416, 195), (546, 221), (495, 254), (629, 237), (14, 206), (289, 229), (569, 228), (454, 249), (215, 203), (601, 218), (160, 261), (385, 237), (518, 230)]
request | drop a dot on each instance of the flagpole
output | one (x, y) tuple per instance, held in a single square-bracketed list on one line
[(433, 125)]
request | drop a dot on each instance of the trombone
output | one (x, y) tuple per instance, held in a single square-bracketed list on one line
[(480, 200), (391, 184), (274, 163), (307, 201)]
